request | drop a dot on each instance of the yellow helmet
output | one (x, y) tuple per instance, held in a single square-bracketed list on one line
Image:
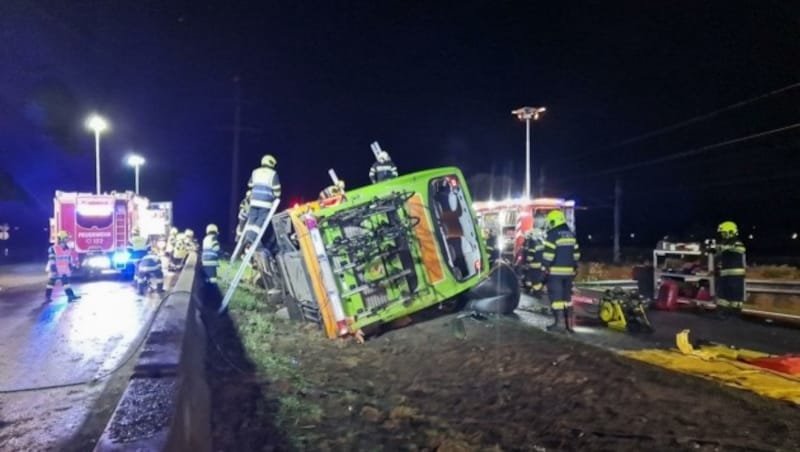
[(340, 184), (212, 229), (555, 218), (62, 236), (188, 233), (728, 229), (269, 161)]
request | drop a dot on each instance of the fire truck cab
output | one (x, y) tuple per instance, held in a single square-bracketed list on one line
[(511, 219), (100, 227)]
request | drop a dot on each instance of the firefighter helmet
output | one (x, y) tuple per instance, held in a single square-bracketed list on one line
[(539, 221), (340, 184), (212, 229), (269, 161), (188, 233), (555, 218), (62, 236), (383, 157), (248, 194), (728, 229), (173, 231)]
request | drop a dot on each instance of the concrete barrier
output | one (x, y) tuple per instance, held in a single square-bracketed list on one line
[(166, 405)]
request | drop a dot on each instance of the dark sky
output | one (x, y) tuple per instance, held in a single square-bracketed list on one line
[(433, 83)]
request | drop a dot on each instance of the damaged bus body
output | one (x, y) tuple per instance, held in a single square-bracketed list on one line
[(386, 251)]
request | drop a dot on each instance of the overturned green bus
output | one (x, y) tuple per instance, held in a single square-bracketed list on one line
[(386, 251)]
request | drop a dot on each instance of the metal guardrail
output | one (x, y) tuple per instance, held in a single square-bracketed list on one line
[(753, 285)]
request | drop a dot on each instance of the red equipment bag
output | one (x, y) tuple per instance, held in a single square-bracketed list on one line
[(667, 296)]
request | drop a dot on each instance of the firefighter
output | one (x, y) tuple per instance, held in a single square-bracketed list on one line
[(730, 255), (149, 268), (210, 255), (60, 260), (332, 194), (138, 242), (179, 253), (244, 207), (266, 188), (533, 249), (491, 246), (383, 168), (560, 261), (189, 241), (171, 239)]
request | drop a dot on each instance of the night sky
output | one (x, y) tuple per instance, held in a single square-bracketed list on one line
[(434, 84)]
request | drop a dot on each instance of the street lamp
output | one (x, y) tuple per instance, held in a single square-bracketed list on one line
[(136, 161), (526, 114), (98, 125)]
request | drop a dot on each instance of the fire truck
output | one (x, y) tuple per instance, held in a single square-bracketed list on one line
[(100, 227), (511, 219)]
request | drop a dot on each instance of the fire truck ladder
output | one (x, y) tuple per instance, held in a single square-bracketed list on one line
[(247, 257), (120, 228)]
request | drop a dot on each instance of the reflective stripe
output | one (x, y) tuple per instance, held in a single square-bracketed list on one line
[(576, 256), (550, 245), (723, 302), (732, 272), (549, 256), (537, 286), (210, 263), (535, 265), (562, 271), (566, 241), (559, 305)]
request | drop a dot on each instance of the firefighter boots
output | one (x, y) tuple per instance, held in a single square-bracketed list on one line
[(71, 294), (556, 325), (568, 320)]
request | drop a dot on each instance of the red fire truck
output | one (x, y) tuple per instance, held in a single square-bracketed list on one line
[(100, 227), (511, 219)]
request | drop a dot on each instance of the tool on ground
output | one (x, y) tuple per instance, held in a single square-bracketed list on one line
[(624, 311)]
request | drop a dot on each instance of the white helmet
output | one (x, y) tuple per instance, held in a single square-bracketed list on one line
[(383, 156), (269, 161)]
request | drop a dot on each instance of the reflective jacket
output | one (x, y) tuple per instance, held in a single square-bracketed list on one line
[(534, 250), (731, 257), (381, 171), (210, 256), (265, 187), (60, 259), (181, 249), (149, 263), (561, 252)]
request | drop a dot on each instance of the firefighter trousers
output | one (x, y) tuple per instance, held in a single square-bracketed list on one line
[(730, 293), (211, 273), (256, 217), (559, 290)]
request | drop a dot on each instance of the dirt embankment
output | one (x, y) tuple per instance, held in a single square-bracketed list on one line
[(491, 385)]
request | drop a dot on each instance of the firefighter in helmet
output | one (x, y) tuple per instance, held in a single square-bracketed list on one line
[(60, 260), (730, 256), (383, 168), (210, 254), (265, 189), (533, 251), (490, 239), (189, 241), (560, 261), (149, 269), (244, 207), (332, 194), (179, 253)]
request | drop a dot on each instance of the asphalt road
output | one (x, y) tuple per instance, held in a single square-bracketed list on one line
[(754, 334), (45, 344)]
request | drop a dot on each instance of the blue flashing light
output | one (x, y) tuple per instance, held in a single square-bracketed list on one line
[(121, 257)]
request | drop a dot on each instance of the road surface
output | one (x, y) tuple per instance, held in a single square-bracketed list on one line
[(46, 344), (754, 334)]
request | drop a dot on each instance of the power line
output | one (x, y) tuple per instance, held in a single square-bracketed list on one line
[(687, 122), (684, 154)]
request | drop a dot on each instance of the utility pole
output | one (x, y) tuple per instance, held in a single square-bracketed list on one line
[(617, 218), (234, 200)]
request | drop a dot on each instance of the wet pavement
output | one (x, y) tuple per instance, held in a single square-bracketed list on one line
[(749, 333), (61, 343)]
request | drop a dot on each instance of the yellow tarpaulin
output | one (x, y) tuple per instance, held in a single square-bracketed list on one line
[(726, 371)]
